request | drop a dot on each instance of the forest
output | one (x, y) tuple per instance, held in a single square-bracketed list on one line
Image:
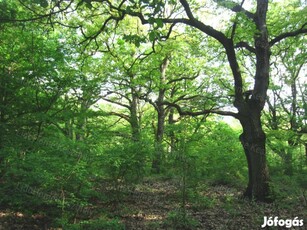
[(153, 114)]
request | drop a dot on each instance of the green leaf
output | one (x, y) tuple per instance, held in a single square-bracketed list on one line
[(151, 20), (152, 35), (159, 23), (128, 9), (44, 3)]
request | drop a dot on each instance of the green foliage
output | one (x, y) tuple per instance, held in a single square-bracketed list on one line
[(219, 156), (224, 159), (50, 177), (135, 39), (7, 10), (200, 201), (179, 219), (125, 163), (295, 185), (43, 3)]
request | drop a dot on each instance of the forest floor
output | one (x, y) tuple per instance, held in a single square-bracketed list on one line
[(157, 204)]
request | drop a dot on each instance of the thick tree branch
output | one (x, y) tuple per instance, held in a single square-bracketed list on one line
[(239, 8), (184, 78), (147, 99), (302, 30), (199, 113), (246, 46), (117, 103), (184, 98), (187, 9), (123, 116), (191, 21)]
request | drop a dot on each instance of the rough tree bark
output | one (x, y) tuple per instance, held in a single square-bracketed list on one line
[(253, 142), (134, 118)]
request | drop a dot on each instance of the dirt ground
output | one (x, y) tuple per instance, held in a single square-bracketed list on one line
[(156, 204)]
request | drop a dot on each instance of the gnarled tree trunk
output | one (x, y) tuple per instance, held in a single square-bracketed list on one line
[(253, 141)]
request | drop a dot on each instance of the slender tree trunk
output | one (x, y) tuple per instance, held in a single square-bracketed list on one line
[(286, 156), (69, 128), (288, 165), (82, 122), (134, 119), (159, 150), (171, 134)]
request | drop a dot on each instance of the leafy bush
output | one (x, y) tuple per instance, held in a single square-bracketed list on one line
[(125, 163), (214, 153), (52, 179)]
